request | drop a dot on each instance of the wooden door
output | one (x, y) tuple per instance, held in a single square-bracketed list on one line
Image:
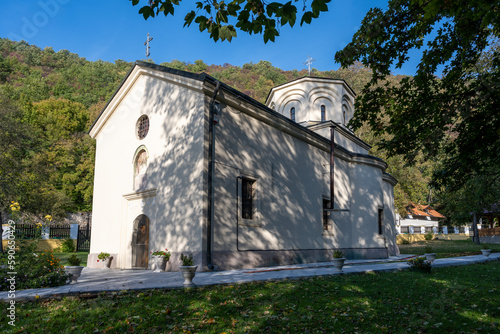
[(140, 242)]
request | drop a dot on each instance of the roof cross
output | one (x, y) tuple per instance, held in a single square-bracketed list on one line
[(309, 62), (149, 39)]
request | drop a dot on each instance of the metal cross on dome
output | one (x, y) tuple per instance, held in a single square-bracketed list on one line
[(149, 39), (309, 62)]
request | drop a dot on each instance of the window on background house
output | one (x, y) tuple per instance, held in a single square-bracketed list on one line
[(292, 114), (323, 113), (247, 198), (326, 213), (380, 220)]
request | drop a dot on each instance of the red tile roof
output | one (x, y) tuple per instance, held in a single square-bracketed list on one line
[(423, 210)]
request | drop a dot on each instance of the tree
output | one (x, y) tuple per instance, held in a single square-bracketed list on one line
[(16, 139), (455, 116), (468, 203), (250, 16)]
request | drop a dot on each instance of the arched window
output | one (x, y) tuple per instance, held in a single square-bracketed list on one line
[(323, 113), (344, 114), (140, 166), (292, 114)]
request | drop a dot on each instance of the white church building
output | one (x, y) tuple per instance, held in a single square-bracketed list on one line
[(187, 163)]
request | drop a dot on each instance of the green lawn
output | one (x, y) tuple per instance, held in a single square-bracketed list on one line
[(64, 257), (447, 248), (449, 300)]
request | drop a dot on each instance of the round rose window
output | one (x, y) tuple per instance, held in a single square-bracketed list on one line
[(142, 127)]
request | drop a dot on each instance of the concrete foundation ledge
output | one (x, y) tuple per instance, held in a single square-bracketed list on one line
[(228, 260)]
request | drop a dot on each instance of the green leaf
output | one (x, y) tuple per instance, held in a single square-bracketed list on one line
[(307, 18), (189, 18), (147, 12), (134, 2)]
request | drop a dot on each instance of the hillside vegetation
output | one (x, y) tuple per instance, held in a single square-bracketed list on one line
[(48, 100)]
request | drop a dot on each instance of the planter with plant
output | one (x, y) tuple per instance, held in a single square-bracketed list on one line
[(485, 250), (159, 260), (105, 259), (74, 269), (420, 264), (429, 255), (338, 259), (188, 269)]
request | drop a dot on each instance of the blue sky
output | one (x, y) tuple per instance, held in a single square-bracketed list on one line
[(111, 30)]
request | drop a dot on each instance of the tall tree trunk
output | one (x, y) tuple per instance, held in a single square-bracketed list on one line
[(475, 238)]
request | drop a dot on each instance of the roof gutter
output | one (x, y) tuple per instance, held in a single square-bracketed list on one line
[(214, 120)]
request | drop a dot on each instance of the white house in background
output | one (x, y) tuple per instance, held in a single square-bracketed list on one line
[(188, 163), (421, 217)]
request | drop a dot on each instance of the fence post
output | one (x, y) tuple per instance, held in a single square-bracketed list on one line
[(73, 233)]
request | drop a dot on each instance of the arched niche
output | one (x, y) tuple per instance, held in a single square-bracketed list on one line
[(140, 165)]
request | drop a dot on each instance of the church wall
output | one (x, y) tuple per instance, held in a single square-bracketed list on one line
[(367, 198), (390, 232), (174, 171), (291, 178), (289, 211)]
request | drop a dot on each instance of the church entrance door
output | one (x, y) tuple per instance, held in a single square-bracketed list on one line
[(140, 242)]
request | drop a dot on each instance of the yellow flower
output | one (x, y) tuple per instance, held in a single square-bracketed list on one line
[(48, 217), (15, 206)]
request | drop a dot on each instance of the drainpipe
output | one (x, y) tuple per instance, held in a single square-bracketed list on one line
[(332, 165), (214, 118)]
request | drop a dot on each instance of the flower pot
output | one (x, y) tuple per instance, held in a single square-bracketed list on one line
[(158, 263), (430, 256), (486, 252), (74, 271), (338, 263), (188, 273), (106, 262)]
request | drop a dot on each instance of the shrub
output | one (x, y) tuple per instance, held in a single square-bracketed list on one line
[(165, 254), (420, 264), (428, 249), (103, 256), (68, 246), (428, 236), (337, 254), (73, 260), (187, 260), (405, 241), (33, 270)]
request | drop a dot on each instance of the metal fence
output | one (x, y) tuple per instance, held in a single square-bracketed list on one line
[(25, 231), (441, 230), (60, 231)]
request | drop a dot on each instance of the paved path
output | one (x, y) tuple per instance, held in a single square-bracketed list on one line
[(94, 281)]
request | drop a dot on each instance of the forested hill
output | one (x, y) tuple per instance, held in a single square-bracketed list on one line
[(49, 99)]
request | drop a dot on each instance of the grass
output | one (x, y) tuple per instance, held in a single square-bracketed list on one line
[(64, 257), (454, 299), (447, 248)]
